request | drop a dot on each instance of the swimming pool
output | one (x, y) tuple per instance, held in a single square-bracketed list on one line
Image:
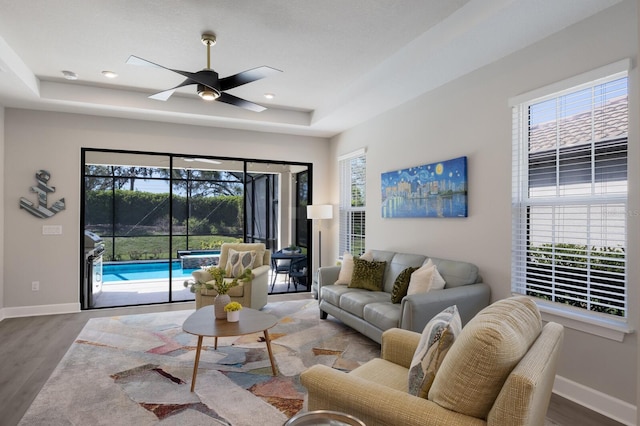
[(150, 270)]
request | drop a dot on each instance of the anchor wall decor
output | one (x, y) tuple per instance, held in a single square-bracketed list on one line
[(42, 189)]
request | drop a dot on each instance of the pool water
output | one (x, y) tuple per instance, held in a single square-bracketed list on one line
[(129, 271)]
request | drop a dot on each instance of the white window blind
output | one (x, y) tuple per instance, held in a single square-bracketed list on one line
[(352, 202), (569, 203)]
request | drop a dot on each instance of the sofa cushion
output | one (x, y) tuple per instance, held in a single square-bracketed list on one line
[(346, 269), (401, 285), (383, 315), (238, 262), (389, 277), (355, 301), (332, 293), (483, 355), (436, 340), (367, 275), (398, 263), (457, 273), (382, 372)]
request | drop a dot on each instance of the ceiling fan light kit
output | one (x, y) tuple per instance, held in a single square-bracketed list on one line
[(207, 93), (209, 86)]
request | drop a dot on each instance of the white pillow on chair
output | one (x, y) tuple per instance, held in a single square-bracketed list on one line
[(238, 261)]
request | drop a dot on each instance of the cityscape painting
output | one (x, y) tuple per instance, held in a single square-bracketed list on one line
[(433, 190)]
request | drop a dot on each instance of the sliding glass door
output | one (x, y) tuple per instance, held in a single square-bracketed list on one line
[(149, 219)]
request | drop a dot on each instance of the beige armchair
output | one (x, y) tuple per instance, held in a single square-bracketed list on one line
[(474, 385), (251, 294)]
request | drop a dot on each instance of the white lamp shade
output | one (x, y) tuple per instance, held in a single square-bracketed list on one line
[(320, 211)]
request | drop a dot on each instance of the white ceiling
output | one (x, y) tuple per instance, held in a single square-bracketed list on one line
[(343, 61)]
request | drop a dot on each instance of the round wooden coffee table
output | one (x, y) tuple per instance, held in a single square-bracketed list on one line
[(203, 323)]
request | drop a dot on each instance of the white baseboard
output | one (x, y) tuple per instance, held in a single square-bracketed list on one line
[(31, 311), (616, 409)]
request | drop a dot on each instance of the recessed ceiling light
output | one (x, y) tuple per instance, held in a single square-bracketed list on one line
[(70, 75), (269, 95), (109, 74)]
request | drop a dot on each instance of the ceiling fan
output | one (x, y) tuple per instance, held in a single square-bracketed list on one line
[(210, 87)]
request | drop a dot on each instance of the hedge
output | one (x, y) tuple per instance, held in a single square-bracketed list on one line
[(147, 213)]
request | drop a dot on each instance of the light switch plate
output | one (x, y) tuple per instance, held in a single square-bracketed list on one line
[(51, 229)]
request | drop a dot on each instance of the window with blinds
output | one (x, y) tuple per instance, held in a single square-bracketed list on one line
[(569, 204), (352, 202)]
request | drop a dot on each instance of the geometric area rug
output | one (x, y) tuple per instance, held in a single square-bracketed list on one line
[(136, 370)]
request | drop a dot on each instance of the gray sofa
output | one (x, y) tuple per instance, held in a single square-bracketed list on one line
[(371, 312)]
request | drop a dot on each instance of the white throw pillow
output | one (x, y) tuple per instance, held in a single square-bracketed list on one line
[(421, 280), (438, 282), (437, 338), (238, 261), (368, 256), (346, 270)]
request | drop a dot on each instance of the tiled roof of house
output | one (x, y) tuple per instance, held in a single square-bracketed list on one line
[(609, 122)]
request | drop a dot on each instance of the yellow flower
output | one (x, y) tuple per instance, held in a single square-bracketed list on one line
[(232, 306)]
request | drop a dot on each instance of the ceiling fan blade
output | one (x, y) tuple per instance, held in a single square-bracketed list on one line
[(245, 77), (206, 77), (166, 94), (135, 60), (239, 102), (162, 96)]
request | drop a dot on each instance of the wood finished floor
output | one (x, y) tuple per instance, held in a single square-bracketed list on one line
[(33, 346)]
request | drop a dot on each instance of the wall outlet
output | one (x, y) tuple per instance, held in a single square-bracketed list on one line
[(35, 285), (51, 229)]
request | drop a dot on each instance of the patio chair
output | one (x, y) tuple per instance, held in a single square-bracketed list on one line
[(298, 272), (279, 267)]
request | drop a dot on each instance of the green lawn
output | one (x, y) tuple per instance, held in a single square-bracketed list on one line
[(157, 247)]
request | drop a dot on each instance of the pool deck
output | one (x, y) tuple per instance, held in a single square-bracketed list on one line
[(142, 292)]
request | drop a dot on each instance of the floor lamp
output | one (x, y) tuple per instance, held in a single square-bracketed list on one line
[(319, 212)]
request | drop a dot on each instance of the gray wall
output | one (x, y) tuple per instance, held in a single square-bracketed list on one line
[(2, 182), (52, 141), (470, 117), (636, 128)]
